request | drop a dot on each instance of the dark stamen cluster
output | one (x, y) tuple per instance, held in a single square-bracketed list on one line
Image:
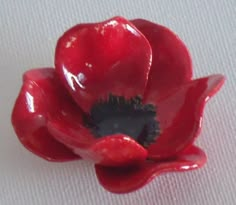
[(130, 117)]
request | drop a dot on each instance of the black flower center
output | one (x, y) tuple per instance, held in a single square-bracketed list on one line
[(130, 117)]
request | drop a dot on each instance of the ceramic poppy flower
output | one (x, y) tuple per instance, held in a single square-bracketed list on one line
[(121, 95)]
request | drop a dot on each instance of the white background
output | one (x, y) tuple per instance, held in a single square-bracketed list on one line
[(28, 33)]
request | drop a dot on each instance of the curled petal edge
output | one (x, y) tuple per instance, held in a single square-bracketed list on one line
[(128, 179), (180, 115), (29, 117)]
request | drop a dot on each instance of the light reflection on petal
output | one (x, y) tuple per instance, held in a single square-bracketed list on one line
[(30, 102), (71, 78)]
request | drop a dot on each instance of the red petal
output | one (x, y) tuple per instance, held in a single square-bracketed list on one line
[(115, 150), (94, 60), (171, 62), (39, 98), (180, 115), (122, 180), (69, 130)]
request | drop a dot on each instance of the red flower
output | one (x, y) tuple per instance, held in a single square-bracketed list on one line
[(121, 95)]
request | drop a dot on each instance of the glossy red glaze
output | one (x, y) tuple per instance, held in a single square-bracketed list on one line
[(39, 97), (171, 63), (180, 115), (112, 54), (127, 179), (115, 150), (125, 58)]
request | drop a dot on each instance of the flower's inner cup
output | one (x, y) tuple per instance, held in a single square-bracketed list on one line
[(129, 117)]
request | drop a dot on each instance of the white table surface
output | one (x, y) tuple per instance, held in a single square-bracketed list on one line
[(28, 33)]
